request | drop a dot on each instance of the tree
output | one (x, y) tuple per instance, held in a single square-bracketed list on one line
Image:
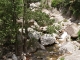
[(9, 13)]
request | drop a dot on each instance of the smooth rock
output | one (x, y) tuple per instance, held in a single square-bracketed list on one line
[(74, 56), (69, 47)]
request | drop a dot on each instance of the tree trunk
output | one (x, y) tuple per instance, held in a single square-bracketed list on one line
[(26, 6)]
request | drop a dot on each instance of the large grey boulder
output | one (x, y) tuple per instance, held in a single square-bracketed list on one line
[(74, 56), (69, 47), (47, 39), (72, 29)]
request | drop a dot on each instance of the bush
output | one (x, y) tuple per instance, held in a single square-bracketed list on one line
[(62, 58), (55, 3), (53, 29), (41, 18)]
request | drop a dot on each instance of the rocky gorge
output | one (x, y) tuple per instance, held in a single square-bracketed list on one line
[(58, 45)]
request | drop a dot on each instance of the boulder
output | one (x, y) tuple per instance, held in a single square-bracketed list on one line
[(14, 57), (35, 5), (72, 29), (46, 11), (35, 34), (64, 38), (33, 23), (47, 39), (20, 30), (74, 56), (69, 47), (43, 28)]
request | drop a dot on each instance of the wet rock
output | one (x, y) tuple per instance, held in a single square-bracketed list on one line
[(64, 38), (40, 55)]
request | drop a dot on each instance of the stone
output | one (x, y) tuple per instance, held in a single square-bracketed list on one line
[(47, 39), (69, 30), (20, 30), (64, 38), (69, 47), (43, 28), (74, 56), (32, 22), (46, 11), (72, 29), (14, 57), (35, 34)]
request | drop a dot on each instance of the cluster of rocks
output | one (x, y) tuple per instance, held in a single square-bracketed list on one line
[(62, 39)]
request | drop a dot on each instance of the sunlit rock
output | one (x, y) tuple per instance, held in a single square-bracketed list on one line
[(33, 24), (74, 56), (35, 5), (72, 29), (64, 37), (23, 56), (43, 28), (30, 29), (38, 4), (69, 47), (20, 20), (20, 30), (46, 11), (47, 39), (34, 34)]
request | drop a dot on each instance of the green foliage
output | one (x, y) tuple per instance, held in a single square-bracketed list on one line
[(6, 17), (53, 29), (55, 3), (62, 58), (72, 5), (41, 18), (75, 8)]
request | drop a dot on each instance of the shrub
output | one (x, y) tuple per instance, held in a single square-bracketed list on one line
[(53, 29), (41, 18), (62, 58), (55, 3)]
